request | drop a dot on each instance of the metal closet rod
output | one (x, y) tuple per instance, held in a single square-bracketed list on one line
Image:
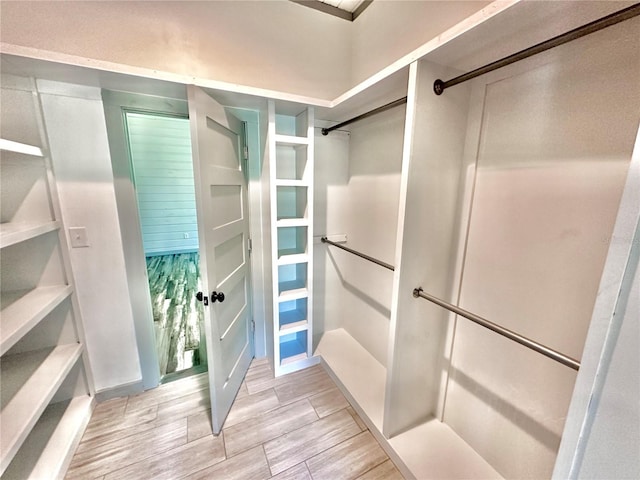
[(395, 103), (440, 86), (527, 342), (359, 254)]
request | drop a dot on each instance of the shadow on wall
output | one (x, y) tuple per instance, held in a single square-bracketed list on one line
[(364, 296)]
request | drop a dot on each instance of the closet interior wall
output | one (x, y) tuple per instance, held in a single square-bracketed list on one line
[(357, 194), (529, 162), (357, 185), (551, 152)]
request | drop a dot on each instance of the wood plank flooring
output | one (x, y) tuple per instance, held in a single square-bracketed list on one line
[(173, 282), (295, 427)]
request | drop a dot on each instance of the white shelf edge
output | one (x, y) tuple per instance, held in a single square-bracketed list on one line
[(17, 147), (292, 222), (294, 219), (291, 183), (293, 359), (293, 259), (291, 367), (294, 327), (23, 314), (347, 359), (290, 140), (295, 294), (23, 410), (12, 233), (63, 425)]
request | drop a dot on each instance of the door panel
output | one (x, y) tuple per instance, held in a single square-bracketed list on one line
[(221, 200)]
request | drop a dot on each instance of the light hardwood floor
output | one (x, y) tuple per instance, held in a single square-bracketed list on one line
[(173, 283), (298, 426)]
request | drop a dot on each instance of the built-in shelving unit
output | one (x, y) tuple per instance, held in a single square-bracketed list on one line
[(291, 141), (46, 398)]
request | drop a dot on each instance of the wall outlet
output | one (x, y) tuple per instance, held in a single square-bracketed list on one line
[(78, 237)]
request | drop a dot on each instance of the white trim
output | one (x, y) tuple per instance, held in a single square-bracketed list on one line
[(460, 28)]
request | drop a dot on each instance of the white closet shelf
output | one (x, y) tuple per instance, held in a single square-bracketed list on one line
[(293, 358), (292, 294), (53, 440), (293, 258), (347, 360), (291, 140), (18, 147), (291, 183), (292, 222), (291, 219), (292, 327), (16, 232), (29, 381), (435, 462), (27, 309)]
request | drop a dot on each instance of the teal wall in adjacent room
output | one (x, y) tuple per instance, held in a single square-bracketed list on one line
[(160, 148)]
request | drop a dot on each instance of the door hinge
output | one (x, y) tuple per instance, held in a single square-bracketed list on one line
[(253, 325), (249, 245), (245, 152)]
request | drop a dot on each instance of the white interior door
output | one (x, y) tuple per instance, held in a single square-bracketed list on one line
[(223, 225)]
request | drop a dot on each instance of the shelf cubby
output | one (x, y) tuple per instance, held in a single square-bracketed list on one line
[(295, 126), (291, 162), (292, 281), (292, 202), (292, 245), (293, 347), (24, 192), (293, 316), (33, 262)]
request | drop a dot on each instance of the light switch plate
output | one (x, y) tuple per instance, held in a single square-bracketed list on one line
[(78, 237)]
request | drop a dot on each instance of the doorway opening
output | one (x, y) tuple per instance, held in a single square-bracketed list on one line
[(162, 173)]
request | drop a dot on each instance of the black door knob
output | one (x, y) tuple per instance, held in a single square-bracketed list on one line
[(217, 296), (201, 298)]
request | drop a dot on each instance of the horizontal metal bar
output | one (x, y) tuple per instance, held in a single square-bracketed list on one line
[(544, 350), (440, 86), (395, 103), (361, 255)]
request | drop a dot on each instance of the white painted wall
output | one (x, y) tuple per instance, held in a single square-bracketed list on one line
[(601, 438), (552, 158), (77, 134), (614, 437), (331, 177), (357, 194), (275, 45), (390, 29)]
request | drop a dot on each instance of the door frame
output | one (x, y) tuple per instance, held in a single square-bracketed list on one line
[(115, 104)]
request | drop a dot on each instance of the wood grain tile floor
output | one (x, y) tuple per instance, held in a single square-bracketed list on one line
[(295, 427)]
